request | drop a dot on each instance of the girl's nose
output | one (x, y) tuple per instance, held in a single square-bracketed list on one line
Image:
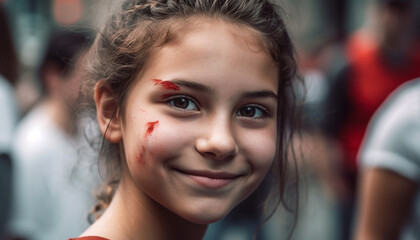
[(217, 141)]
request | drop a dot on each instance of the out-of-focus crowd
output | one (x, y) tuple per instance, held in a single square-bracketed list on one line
[(358, 152)]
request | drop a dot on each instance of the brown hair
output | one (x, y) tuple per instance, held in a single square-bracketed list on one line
[(141, 27)]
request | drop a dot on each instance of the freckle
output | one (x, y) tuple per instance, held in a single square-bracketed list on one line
[(166, 84)]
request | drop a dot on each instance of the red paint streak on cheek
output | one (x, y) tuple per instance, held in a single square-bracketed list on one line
[(166, 84), (140, 158), (150, 128)]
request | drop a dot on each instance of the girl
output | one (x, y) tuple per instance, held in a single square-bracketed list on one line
[(192, 98)]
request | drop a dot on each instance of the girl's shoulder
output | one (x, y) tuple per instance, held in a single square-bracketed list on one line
[(89, 238)]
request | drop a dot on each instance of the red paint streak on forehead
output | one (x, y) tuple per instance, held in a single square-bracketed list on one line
[(169, 85), (166, 84), (150, 127)]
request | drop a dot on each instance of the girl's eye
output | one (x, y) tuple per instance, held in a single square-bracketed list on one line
[(252, 112), (183, 103)]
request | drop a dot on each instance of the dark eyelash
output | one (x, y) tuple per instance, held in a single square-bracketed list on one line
[(168, 98), (264, 110)]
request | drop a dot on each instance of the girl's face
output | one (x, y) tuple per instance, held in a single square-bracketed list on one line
[(199, 126)]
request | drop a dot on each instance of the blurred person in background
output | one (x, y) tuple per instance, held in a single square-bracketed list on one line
[(46, 204), (389, 200), (380, 57), (9, 113)]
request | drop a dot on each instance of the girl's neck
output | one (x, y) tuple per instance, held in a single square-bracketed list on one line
[(135, 216)]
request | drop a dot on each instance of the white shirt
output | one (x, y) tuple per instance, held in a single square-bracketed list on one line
[(393, 143), (9, 113), (51, 201)]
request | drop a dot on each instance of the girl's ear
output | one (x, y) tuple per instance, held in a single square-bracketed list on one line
[(107, 113)]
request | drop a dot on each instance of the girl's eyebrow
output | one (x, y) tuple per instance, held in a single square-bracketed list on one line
[(206, 89), (193, 85), (260, 94)]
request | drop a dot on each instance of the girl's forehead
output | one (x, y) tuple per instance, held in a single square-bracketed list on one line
[(198, 36), (205, 32), (228, 49), (242, 33)]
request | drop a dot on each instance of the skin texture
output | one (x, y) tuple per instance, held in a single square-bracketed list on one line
[(194, 151), (386, 200)]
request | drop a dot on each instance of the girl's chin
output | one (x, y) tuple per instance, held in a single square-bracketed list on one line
[(205, 218)]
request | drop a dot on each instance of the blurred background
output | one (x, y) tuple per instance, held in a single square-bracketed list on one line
[(331, 38), (319, 27)]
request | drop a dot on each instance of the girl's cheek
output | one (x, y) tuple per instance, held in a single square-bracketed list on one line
[(170, 138), (159, 139), (260, 146)]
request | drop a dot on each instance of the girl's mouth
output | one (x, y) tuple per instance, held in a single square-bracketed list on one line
[(210, 179)]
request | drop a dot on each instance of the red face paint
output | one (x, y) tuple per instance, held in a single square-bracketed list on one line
[(141, 155), (150, 127), (166, 84)]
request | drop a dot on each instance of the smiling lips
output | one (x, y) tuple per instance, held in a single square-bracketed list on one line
[(212, 180)]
